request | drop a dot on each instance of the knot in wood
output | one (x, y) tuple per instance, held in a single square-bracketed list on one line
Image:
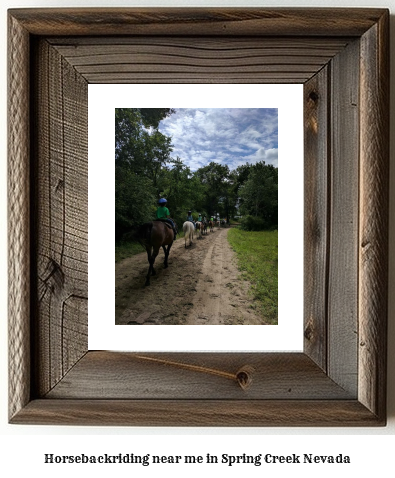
[(313, 96), (54, 276), (244, 376), (309, 331)]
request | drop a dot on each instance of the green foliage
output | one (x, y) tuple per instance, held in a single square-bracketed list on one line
[(134, 196), (257, 257), (141, 152), (145, 171), (259, 194), (239, 177), (252, 223), (181, 189), (219, 194), (153, 116), (126, 249)]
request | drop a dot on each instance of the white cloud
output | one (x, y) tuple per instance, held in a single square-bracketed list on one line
[(230, 136), (269, 156)]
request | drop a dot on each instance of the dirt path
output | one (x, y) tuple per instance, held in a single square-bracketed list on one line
[(200, 286)]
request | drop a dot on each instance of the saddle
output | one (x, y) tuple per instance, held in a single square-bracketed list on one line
[(168, 224)]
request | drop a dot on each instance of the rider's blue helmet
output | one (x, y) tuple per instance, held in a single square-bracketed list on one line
[(162, 201)]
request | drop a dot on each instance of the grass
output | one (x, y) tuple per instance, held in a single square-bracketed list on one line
[(257, 259), (126, 249)]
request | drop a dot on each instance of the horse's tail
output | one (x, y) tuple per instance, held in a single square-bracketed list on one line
[(143, 234)]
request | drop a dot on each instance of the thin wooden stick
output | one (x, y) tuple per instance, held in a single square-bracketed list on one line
[(243, 376)]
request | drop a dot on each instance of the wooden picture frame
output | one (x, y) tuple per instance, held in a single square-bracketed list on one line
[(342, 58)]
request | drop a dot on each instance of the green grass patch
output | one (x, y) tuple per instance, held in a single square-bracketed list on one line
[(125, 249), (257, 259)]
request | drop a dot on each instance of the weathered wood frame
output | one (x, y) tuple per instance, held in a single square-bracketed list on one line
[(342, 57)]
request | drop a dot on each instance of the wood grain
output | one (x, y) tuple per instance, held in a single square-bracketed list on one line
[(61, 227), (196, 376), (18, 218), (163, 59), (202, 413), (373, 228), (343, 262), (341, 55), (259, 22), (316, 214)]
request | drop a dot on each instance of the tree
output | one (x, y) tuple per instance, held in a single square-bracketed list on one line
[(216, 179), (181, 188), (259, 194), (141, 152), (134, 196), (139, 146), (157, 154), (153, 116)]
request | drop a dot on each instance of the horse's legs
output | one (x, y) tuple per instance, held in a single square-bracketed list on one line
[(167, 251), (151, 265), (164, 250), (151, 259), (154, 254)]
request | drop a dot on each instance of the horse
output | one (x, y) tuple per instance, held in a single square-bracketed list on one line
[(152, 236), (218, 223), (211, 225), (199, 229), (204, 227), (188, 229)]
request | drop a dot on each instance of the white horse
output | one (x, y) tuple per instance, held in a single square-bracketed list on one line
[(199, 229), (188, 229)]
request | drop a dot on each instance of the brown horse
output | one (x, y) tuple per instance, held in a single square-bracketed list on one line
[(154, 235), (211, 225)]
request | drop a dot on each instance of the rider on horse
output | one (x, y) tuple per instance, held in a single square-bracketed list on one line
[(190, 219), (163, 214)]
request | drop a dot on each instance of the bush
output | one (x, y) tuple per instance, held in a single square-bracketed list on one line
[(252, 223)]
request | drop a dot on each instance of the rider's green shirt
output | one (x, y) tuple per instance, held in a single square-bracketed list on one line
[(162, 212)]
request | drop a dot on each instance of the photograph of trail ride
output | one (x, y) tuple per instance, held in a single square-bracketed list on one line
[(196, 216)]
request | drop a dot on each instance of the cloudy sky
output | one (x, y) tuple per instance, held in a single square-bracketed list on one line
[(229, 136)]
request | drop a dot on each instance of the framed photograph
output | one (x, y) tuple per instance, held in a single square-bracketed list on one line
[(341, 57), (202, 284)]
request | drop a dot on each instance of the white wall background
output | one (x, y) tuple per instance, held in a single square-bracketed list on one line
[(24, 447)]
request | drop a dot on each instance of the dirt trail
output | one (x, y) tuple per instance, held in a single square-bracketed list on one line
[(200, 286)]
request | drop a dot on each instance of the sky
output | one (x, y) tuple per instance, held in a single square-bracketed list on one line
[(232, 136)]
